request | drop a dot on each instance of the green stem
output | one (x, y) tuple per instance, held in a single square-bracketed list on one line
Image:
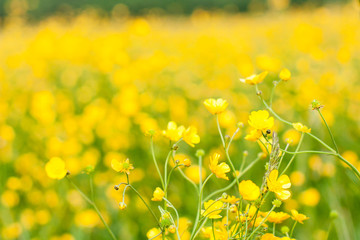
[(94, 206), (292, 229), (155, 162), (91, 187), (274, 228), (272, 92), (213, 228), (262, 222), (293, 157), (328, 128)]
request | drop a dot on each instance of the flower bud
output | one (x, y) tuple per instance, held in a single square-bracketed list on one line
[(315, 104), (233, 208), (285, 229), (240, 125), (172, 229), (200, 153), (276, 203), (122, 206), (285, 75), (224, 195), (334, 215)]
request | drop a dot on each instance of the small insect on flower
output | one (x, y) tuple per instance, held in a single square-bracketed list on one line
[(298, 216), (219, 170), (255, 78), (55, 168), (301, 128), (260, 120), (249, 190), (215, 106), (285, 74), (122, 166), (158, 195), (279, 185), (212, 209)]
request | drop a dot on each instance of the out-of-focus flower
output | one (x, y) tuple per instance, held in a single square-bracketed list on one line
[(190, 136), (249, 190), (121, 165), (87, 218), (301, 128), (158, 195), (255, 78), (254, 135), (310, 197), (55, 168), (260, 120), (154, 234), (212, 209), (230, 199), (215, 106), (219, 170), (298, 216), (285, 74), (279, 185), (292, 137), (173, 132), (269, 236), (277, 217)]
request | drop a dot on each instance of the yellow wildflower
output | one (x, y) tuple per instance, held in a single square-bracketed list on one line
[(260, 120), (215, 106), (298, 216), (254, 135), (277, 217), (55, 168), (291, 137), (154, 234), (121, 165), (212, 209), (249, 190), (173, 132), (310, 197), (301, 128), (279, 185), (230, 199), (269, 236), (191, 137), (158, 195), (219, 170), (255, 78), (285, 74)]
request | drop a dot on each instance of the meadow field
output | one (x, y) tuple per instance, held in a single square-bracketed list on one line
[(80, 94)]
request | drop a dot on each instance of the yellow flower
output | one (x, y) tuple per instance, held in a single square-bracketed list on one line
[(154, 234), (219, 170), (279, 185), (123, 166), (190, 136), (291, 137), (260, 120), (249, 190), (285, 74), (212, 209), (298, 216), (173, 132), (254, 135), (269, 236), (55, 168), (255, 78), (301, 128), (230, 199), (158, 195), (215, 106), (277, 217)]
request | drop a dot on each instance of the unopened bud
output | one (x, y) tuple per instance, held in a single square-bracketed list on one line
[(259, 93), (334, 215), (276, 203), (172, 229), (285, 229), (200, 153), (122, 206)]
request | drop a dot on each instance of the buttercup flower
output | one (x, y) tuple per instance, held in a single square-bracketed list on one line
[(277, 217), (230, 199), (279, 185), (212, 209), (260, 120), (154, 234), (269, 236), (301, 128), (158, 195), (285, 74), (219, 170), (254, 135), (255, 78), (173, 132), (298, 216), (215, 106), (55, 168), (249, 190), (122, 166), (191, 137)]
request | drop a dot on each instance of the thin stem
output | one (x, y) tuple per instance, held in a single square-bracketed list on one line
[(91, 187), (293, 157), (155, 162), (283, 154), (232, 138), (262, 222), (94, 206), (328, 128), (274, 228), (292, 229), (272, 92), (219, 129), (213, 228)]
